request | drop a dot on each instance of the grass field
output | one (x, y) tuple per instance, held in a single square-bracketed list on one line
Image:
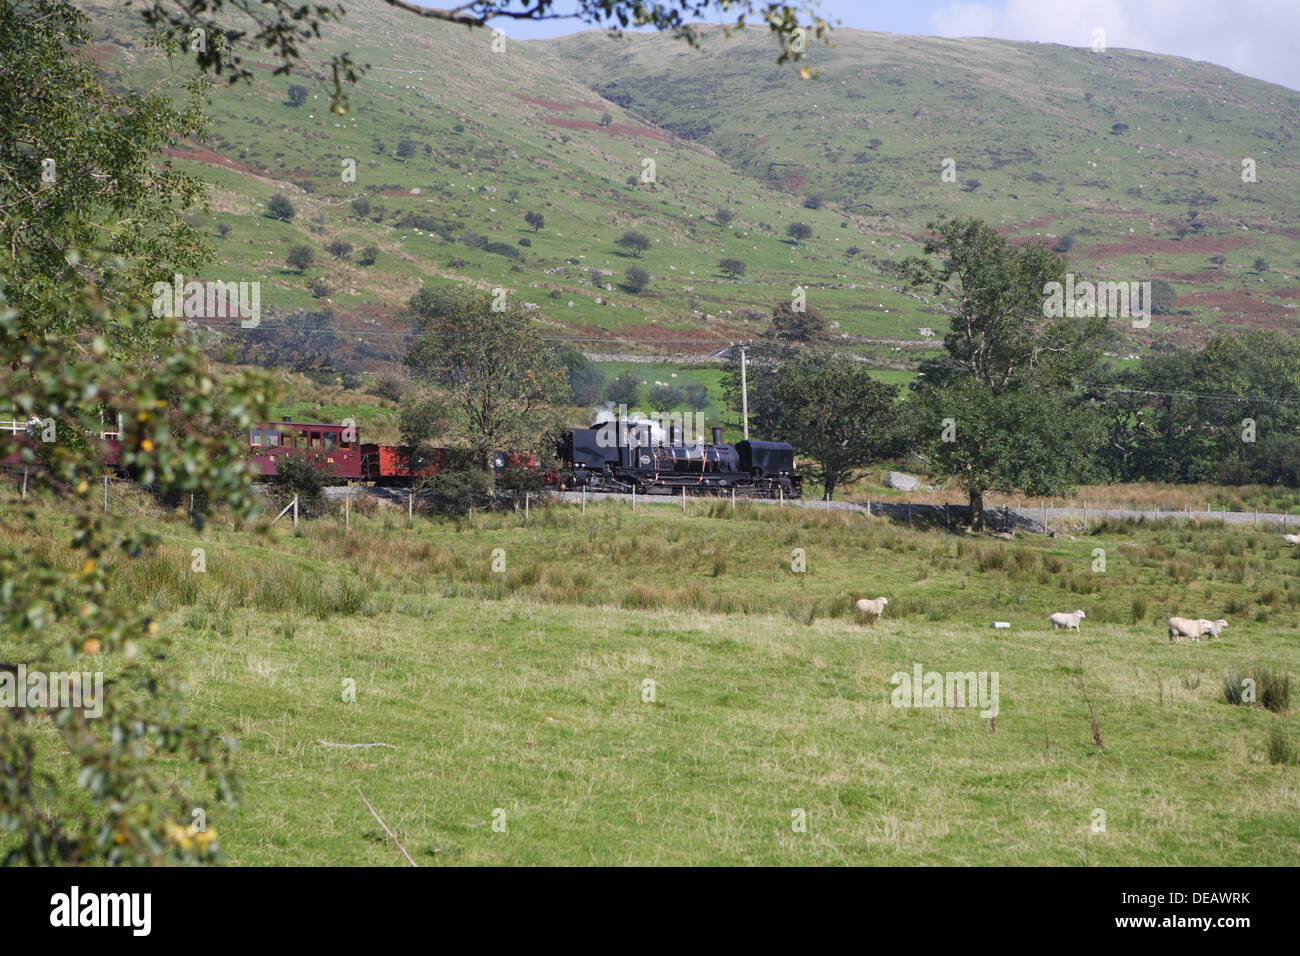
[(518, 697)]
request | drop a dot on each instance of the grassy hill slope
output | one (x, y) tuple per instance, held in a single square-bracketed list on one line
[(1032, 131)]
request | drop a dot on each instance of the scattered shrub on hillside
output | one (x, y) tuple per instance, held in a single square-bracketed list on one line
[(391, 387), (300, 258), (635, 279), (663, 398), (633, 242), (735, 268), (360, 207), (280, 207), (339, 249), (368, 256), (318, 288), (624, 389)]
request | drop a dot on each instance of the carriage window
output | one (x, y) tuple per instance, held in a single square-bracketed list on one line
[(255, 438), (271, 438), (300, 438), (329, 440)]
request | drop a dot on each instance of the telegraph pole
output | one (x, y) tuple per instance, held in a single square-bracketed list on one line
[(744, 395)]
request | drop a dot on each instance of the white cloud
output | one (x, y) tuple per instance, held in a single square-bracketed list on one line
[(1259, 38)]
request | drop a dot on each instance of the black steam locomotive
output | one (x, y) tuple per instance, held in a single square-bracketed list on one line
[(622, 456)]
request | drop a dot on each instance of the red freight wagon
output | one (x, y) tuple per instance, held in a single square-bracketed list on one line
[(271, 441), (386, 465)]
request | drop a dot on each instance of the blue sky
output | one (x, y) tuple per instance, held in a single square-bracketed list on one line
[(1260, 38)]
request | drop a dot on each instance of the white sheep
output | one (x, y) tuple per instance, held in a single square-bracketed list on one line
[(1180, 627), (1291, 538), (873, 608), (1212, 628), (1068, 621)]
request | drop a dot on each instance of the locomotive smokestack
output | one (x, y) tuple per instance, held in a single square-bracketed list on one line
[(717, 434)]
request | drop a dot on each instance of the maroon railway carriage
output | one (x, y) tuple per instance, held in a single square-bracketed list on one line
[(337, 450), (333, 447)]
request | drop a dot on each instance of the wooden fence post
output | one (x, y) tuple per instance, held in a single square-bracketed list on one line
[(733, 499), (683, 499), (347, 510), (410, 508), (24, 484), (106, 494), (295, 511), (584, 499), (526, 505)]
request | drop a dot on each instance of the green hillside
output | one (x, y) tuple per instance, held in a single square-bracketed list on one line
[(494, 135)]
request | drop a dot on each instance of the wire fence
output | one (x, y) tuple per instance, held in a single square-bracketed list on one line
[(114, 494)]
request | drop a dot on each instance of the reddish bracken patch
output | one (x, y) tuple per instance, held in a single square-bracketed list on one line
[(101, 53), (201, 154), (1241, 308), (1197, 245), (1039, 223)]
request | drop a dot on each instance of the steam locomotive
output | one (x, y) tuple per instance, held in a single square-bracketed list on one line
[(623, 456)]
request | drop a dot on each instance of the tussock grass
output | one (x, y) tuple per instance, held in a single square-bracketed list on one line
[(522, 688)]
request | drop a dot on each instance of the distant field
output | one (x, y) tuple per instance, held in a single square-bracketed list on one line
[(524, 691)]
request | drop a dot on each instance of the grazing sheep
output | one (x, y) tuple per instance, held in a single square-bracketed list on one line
[(1212, 628), (1291, 538), (1068, 621), (873, 608), (1180, 627)]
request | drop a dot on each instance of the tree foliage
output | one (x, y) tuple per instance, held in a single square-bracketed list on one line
[(501, 380), (1003, 408), (838, 416), (803, 325), (78, 255)]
